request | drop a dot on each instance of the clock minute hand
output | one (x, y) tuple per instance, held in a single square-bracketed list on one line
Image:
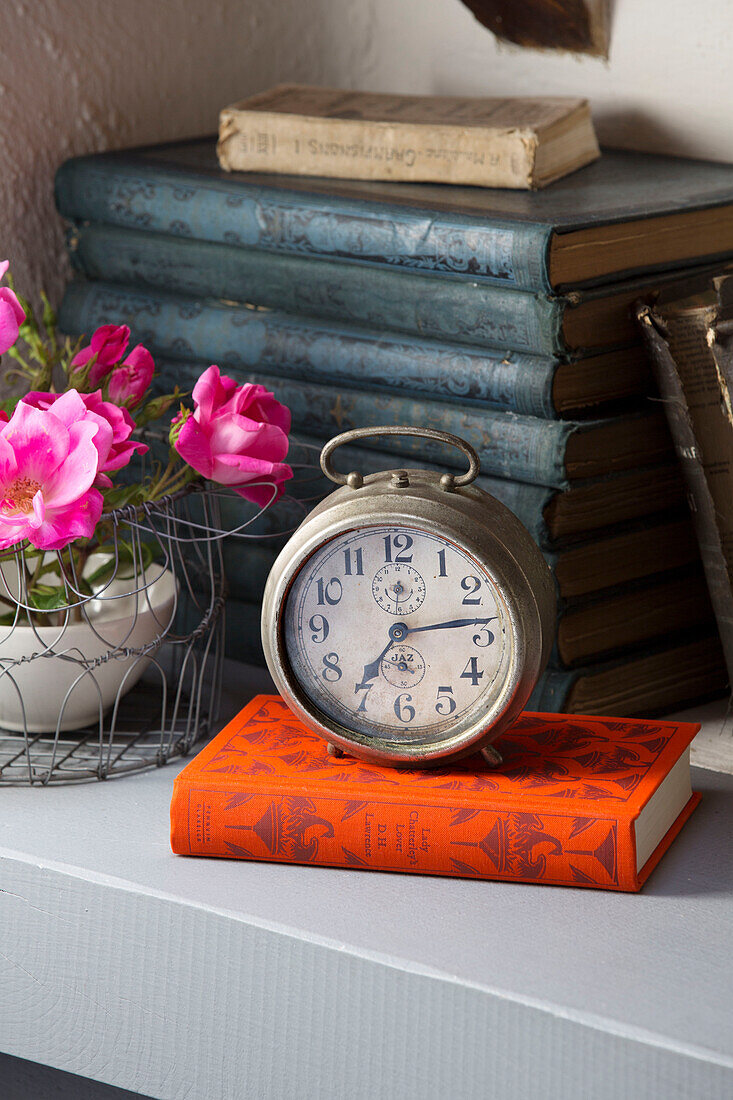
[(451, 623)]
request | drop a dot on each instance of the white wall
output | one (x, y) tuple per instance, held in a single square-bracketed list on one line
[(667, 86), (80, 75)]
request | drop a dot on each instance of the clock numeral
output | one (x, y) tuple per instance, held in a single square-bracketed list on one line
[(471, 671), (402, 708), (441, 558), (402, 543), (331, 668), (358, 562), (470, 585), (319, 626), (484, 637), (329, 592), (445, 703), (366, 688)]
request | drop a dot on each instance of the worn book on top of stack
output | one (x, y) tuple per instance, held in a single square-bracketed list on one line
[(519, 142)]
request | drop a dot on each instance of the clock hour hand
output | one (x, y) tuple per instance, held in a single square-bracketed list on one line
[(451, 623), (396, 634)]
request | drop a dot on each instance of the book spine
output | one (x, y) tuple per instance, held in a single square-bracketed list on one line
[(318, 825), (139, 195), (320, 351), (509, 446), (367, 149), (429, 306)]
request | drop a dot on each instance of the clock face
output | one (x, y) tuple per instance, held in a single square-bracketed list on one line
[(396, 633)]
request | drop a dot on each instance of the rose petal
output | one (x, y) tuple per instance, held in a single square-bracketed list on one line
[(77, 472), (237, 435), (63, 525), (194, 448), (39, 510), (39, 439), (238, 469), (82, 357), (9, 296), (8, 464), (208, 392), (129, 382), (9, 327), (41, 399), (109, 343)]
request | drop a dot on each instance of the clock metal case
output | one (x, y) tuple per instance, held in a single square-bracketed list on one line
[(473, 520)]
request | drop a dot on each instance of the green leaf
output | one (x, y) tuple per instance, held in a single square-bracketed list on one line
[(49, 318), (157, 407), (48, 597), (121, 495), (126, 565)]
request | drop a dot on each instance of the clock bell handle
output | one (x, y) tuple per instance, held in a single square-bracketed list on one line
[(355, 480)]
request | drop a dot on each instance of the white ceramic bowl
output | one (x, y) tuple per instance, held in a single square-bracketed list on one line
[(48, 684)]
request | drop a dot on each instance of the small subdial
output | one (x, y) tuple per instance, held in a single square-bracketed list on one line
[(403, 666), (398, 589)]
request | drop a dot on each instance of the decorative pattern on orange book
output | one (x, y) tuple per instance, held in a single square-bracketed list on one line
[(559, 810), (396, 837), (554, 756)]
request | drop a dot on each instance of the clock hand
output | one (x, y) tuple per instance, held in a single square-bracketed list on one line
[(401, 630), (450, 623), (396, 634)]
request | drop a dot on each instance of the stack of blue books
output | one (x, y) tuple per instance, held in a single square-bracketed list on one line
[(503, 317)]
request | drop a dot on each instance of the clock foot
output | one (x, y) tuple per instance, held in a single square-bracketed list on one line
[(492, 756), (333, 751)]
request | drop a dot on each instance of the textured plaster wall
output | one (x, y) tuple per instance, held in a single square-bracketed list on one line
[(81, 75)]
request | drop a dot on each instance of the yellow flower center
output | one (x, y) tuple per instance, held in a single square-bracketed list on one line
[(19, 496)]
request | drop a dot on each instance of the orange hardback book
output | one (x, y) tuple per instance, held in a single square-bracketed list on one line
[(578, 801)]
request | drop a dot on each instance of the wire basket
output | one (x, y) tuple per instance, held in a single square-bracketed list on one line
[(148, 616), (124, 673)]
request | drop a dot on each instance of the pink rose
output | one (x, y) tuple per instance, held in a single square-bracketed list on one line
[(47, 472), (114, 426), (236, 436), (108, 343), (128, 383), (122, 425), (12, 314)]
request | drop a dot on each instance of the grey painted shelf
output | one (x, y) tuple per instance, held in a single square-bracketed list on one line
[(213, 979)]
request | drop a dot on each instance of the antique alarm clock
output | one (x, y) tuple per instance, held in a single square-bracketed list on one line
[(410, 615)]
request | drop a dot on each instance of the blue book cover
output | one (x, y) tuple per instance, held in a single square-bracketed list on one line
[(648, 498), (466, 312), (301, 347), (523, 448), (575, 232), (328, 307)]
